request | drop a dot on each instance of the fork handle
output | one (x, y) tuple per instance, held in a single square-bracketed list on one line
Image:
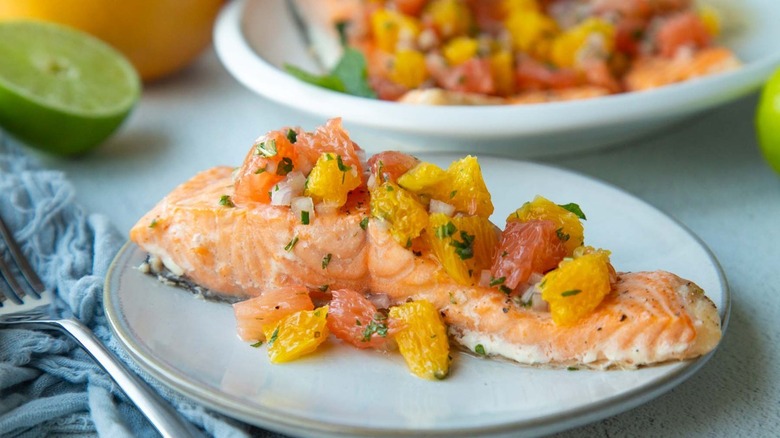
[(160, 413)]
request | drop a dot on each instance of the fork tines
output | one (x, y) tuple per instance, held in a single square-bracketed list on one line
[(15, 291)]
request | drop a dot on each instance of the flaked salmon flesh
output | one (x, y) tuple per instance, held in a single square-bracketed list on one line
[(241, 251)]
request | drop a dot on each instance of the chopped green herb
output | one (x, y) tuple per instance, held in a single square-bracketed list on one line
[(304, 217), (266, 148), (326, 260), (574, 208), (260, 170), (375, 326), (291, 245), (452, 299), (503, 288), (273, 337), (561, 235), (572, 369), (364, 223), (341, 28), (153, 223), (446, 230), (408, 242), (390, 188), (480, 350), (225, 201), (340, 163), (570, 293), (496, 281), (453, 193), (464, 249), (292, 136), (285, 166), (349, 76), (256, 344), (357, 322)]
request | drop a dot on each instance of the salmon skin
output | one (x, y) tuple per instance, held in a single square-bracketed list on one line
[(239, 250)]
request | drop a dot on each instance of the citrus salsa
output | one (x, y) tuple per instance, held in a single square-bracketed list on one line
[(539, 261), (526, 51)]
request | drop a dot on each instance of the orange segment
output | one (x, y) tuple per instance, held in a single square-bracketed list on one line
[(331, 180), (577, 286), (461, 185), (464, 245), (450, 17), (401, 210), (390, 28), (297, 335), (423, 339)]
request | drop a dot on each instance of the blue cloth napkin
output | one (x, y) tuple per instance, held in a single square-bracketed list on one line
[(48, 385)]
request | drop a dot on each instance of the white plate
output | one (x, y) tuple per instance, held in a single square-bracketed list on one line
[(254, 38), (191, 344)]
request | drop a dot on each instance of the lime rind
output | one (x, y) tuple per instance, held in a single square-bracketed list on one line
[(61, 89), (768, 121)]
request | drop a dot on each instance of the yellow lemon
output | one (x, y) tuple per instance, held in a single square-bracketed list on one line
[(159, 37)]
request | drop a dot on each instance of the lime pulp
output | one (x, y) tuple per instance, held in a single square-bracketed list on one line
[(61, 89)]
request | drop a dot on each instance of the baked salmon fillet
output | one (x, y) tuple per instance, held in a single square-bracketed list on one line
[(306, 220)]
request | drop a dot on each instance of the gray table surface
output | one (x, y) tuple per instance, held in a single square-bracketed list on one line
[(706, 172)]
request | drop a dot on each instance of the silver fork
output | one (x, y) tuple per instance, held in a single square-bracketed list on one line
[(29, 306)]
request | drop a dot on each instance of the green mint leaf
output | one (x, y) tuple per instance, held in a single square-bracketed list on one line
[(328, 81), (574, 208)]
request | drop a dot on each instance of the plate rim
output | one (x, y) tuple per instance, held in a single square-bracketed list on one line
[(291, 423)]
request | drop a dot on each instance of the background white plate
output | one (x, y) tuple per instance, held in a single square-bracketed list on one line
[(191, 344), (254, 38)]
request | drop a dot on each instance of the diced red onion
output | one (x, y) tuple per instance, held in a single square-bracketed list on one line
[(539, 304), (371, 183), (302, 203), (441, 207), (484, 278), (381, 301), (288, 188), (528, 294)]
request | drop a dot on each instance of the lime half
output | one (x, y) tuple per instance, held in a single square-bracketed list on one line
[(62, 90), (768, 121)]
